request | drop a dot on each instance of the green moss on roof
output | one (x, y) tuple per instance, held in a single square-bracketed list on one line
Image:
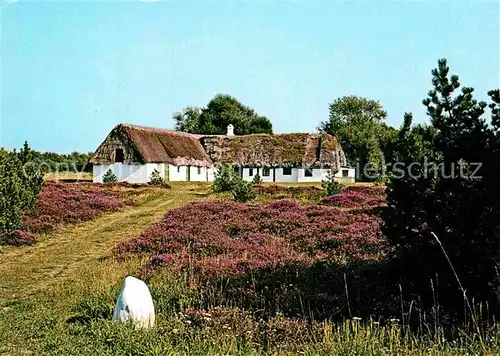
[(295, 149)]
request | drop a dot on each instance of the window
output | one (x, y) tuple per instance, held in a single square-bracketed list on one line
[(345, 173), (178, 169), (266, 172), (287, 171), (199, 170), (308, 172), (250, 172), (118, 155)]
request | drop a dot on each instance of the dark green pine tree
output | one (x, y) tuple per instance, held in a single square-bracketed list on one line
[(447, 200)]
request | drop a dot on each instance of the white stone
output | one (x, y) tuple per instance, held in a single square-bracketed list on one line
[(134, 304)]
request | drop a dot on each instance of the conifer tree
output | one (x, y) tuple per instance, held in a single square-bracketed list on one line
[(457, 200), (20, 184)]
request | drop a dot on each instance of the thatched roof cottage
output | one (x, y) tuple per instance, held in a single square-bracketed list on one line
[(133, 152)]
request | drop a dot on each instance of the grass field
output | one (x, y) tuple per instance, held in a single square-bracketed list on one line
[(62, 176), (56, 297)]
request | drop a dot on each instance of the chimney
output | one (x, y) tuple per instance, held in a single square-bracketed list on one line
[(230, 130)]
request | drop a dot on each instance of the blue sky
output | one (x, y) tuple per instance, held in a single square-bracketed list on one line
[(72, 70)]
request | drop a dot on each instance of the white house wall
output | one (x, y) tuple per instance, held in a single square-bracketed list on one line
[(177, 173), (211, 174), (269, 178), (140, 173), (195, 177), (318, 175), (257, 170), (246, 174), (351, 173), (280, 177), (132, 173), (161, 168)]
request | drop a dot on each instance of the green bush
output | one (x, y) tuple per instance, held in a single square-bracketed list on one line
[(224, 179), (331, 185), (20, 183), (242, 190), (256, 180), (156, 178), (109, 177)]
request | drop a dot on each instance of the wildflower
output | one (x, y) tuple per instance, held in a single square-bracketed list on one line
[(230, 238)]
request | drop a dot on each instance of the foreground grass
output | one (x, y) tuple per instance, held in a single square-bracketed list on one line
[(72, 262), (57, 297)]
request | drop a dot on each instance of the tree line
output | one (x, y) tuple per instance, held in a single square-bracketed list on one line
[(57, 162)]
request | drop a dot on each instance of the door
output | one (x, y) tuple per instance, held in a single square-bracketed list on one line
[(188, 173)]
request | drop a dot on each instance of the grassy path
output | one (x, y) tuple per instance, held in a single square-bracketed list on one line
[(28, 270)]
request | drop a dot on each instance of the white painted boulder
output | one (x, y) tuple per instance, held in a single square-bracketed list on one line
[(134, 304)]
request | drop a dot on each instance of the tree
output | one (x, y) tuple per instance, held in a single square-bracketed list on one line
[(359, 125), (221, 111), (188, 120), (31, 177), (257, 180), (449, 199), (156, 178), (224, 179), (242, 191), (109, 177), (20, 183), (331, 186)]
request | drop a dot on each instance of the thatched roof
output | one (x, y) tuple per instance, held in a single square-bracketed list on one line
[(294, 149), (150, 145)]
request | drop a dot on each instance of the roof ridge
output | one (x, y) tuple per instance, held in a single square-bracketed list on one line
[(156, 129)]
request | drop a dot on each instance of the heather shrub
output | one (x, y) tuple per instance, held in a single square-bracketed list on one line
[(109, 177), (242, 191), (357, 197), (156, 178), (17, 238), (220, 237), (331, 186), (61, 203), (272, 257), (223, 179)]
